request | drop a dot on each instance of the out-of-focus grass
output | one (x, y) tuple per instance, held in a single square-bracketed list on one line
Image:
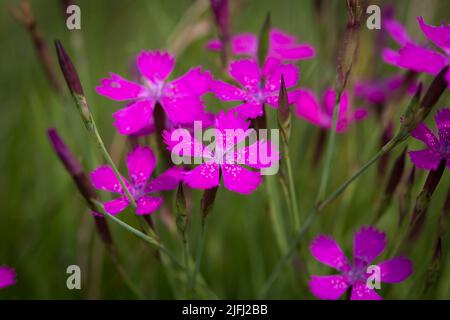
[(45, 226)]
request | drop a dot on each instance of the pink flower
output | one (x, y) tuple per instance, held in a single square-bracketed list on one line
[(380, 91), (415, 57), (282, 46), (225, 156), (438, 148), (140, 163), (369, 243), (180, 98), (308, 107), (7, 276), (258, 86)]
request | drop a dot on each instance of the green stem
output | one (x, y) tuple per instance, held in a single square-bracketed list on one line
[(139, 234), (293, 196), (198, 258), (278, 222), (101, 144), (279, 267), (388, 147), (314, 212), (330, 149)]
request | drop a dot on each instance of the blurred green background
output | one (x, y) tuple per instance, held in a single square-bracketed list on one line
[(45, 225)]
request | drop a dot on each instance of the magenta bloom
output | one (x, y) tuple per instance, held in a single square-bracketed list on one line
[(180, 98), (226, 155), (380, 91), (368, 244), (308, 107), (7, 276), (258, 86), (438, 148), (282, 46), (416, 57), (140, 163)]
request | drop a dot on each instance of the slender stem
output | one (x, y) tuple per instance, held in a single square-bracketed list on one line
[(314, 212), (330, 149), (139, 234), (278, 222), (293, 196), (110, 161), (198, 258), (285, 258), (186, 263)]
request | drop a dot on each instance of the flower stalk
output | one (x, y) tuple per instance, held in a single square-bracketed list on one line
[(84, 185), (87, 190), (221, 13), (432, 96), (76, 89), (284, 124), (346, 60), (423, 201)]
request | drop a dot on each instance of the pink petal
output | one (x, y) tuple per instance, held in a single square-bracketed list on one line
[(329, 99), (327, 251), (422, 133), (246, 72), (155, 65), (181, 143), (308, 107), (103, 178), (250, 110), (205, 176), (328, 287), (425, 159), (117, 88), (290, 74), (147, 205), (284, 46), (279, 38), (239, 179), (214, 45), (397, 31), (195, 82), (443, 119), (227, 92), (420, 59), (296, 52), (439, 35), (140, 163), (294, 95), (360, 291), (395, 270), (184, 110), (167, 180), (391, 56), (368, 244), (230, 120), (7, 276), (116, 206), (135, 117), (244, 44)]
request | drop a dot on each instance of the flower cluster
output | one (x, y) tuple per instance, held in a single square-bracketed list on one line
[(255, 84)]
